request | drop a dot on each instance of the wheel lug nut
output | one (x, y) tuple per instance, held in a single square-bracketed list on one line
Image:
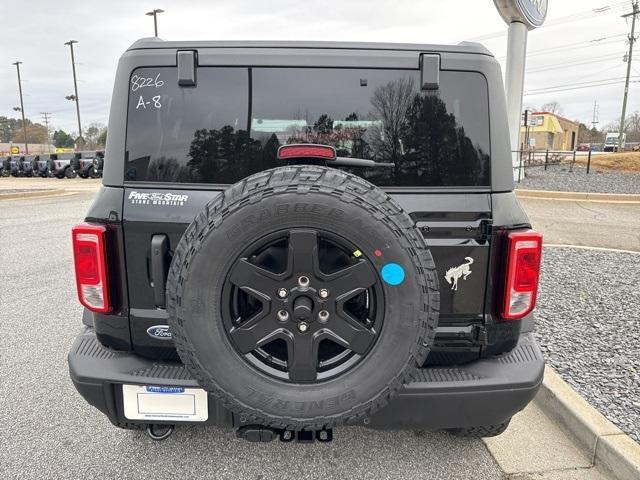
[(324, 293), (303, 281), (323, 316), (283, 292), (283, 315), (303, 327)]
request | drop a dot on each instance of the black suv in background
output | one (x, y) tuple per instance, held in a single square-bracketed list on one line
[(44, 165), (28, 167), (98, 164), (5, 166), (295, 236), (15, 165)]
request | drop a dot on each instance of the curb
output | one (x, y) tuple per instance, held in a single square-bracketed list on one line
[(53, 192), (585, 196), (609, 448)]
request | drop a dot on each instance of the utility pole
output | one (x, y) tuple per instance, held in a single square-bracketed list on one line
[(154, 13), (75, 87), (24, 123), (46, 116), (632, 40)]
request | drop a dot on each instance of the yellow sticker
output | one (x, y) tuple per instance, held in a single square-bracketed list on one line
[(357, 254)]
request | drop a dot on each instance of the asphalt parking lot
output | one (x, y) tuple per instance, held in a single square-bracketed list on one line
[(52, 433), (595, 224)]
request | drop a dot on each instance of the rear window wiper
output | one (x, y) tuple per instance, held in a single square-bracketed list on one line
[(359, 162)]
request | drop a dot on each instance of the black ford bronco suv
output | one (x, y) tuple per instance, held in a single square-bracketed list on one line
[(295, 236)]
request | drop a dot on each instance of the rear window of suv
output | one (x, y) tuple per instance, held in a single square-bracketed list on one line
[(231, 124)]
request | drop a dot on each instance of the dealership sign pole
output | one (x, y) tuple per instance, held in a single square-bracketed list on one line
[(521, 16)]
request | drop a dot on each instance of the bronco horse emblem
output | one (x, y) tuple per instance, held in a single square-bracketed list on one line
[(453, 274)]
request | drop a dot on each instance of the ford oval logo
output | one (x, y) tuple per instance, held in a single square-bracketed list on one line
[(161, 332)]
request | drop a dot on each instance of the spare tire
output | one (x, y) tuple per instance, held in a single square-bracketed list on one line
[(303, 298)]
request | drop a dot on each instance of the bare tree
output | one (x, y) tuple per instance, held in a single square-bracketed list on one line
[(552, 107), (390, 103), (632, 127), (92, 133)]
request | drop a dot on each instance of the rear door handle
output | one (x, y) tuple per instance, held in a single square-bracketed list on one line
[(159, 264)]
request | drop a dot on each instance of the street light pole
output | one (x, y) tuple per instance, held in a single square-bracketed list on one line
[(24, 123), (632, 40), (75, 87), (514, 84), (154, 13), (521, 16)]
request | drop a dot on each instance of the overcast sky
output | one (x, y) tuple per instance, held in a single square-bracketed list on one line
[(583, 41)]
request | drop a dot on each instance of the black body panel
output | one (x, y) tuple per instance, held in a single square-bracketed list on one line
[(455, 225)]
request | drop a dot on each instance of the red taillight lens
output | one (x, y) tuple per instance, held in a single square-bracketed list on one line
[(524, 253), (325, 152), (89, 253)]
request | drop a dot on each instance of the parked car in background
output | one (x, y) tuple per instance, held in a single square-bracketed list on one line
[(583, 147), (28, 165), (83, 163), (5, 166), (98, 164), (62, 166), (596, 147), (611, 141), (15, 165), (44, 165)]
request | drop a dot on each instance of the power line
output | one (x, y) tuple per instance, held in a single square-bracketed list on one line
[(581, 83), (571, 46), (570, 89), (565, 88), (593, 78), (594, 60)]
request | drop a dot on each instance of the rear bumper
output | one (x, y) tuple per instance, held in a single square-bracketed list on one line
[(484, 392)]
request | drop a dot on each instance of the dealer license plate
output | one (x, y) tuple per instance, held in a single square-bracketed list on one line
[(155, 402)]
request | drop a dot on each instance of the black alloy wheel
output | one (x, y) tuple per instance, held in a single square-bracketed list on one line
[(303, 305)]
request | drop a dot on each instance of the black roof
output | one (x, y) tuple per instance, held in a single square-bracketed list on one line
[(463, 47)]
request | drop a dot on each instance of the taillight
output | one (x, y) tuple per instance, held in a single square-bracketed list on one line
[(89, 253), (524, 253), (303, 150)]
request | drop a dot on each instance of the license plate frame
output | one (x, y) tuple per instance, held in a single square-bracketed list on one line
[(165, 403)]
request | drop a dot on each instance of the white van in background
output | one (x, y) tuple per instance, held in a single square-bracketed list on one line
[(611, 141)]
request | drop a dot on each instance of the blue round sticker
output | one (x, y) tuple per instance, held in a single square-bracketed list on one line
[(393, 274)]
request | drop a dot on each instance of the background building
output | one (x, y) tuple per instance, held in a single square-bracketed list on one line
[(34, 148), (549, 131)]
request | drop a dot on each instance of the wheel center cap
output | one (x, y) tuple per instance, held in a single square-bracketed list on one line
[(302, 308)]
